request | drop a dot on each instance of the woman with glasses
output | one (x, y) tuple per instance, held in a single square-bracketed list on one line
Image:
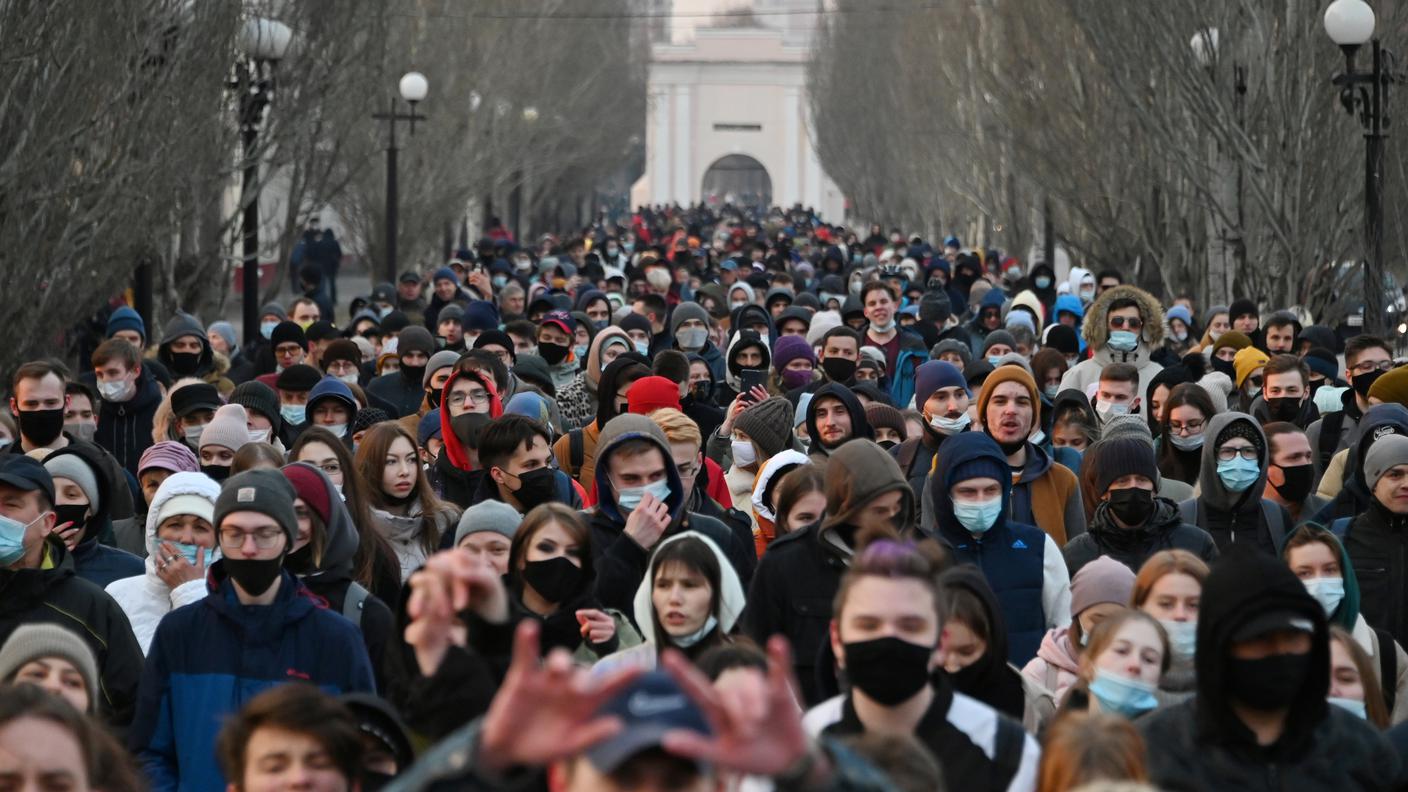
[(1233, 476), (1186, 416)]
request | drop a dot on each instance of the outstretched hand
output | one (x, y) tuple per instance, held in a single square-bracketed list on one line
[(451, 581)]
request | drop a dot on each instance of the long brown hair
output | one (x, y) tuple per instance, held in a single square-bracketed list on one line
[(1085, 747), (1375, 705), (1166, 562), (371, 462), (371, 545), (795, 484)]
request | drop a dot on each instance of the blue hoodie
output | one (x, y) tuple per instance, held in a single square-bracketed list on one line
[(1069, 303), (1011, 554)]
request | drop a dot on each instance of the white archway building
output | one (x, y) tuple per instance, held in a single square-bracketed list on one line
[(732, 94)]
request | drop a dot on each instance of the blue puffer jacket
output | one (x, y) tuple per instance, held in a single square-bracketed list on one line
[(912, 353), (209, 658)]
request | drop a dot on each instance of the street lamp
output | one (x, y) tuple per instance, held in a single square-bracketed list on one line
[(413, 88), (1350, 23), (262, 43)]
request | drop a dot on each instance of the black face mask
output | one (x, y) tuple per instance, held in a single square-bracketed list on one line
[(41, 427), (887, 444), (433, 397), (842, 370), (70, 513), (535, 488), (1298, 481), (555, 579), (1362, 382), (184, 363), (1224, 366), (414, 374), (1269, 683), (1283, 408), (300, 561), (889, 670), (216, 472), (552, 353), (701, 391), (1132, 506), (255, 575), (467, 428)]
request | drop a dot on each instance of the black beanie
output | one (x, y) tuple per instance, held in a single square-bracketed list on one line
[(935, 307), (1122, 456), (1062, 339), (258, 397), (300, 377), (286, 332), (1242, 307)]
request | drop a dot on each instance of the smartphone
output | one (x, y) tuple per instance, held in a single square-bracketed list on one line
[(751, 378)]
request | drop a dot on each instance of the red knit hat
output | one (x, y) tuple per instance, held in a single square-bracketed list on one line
[(309, 486), (648, 394)]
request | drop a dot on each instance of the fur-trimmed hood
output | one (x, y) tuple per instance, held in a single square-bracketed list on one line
[(1096, 328)]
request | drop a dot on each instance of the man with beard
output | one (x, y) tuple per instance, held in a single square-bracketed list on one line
[(1366, 358)]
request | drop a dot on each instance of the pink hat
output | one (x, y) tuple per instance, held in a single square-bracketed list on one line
[(1100, 581), (168, 455)]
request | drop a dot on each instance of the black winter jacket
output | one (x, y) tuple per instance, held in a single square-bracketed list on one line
[(1377, 544), (1164, 530), (125, 428)]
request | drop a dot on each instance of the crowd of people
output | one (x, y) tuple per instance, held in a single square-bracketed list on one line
[(710, 500)]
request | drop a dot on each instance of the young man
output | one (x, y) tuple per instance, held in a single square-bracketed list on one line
[(689, 328), (1115, 394), (1124, 325), (701, 477), (332, 406), (450, 327), (185, 352), (656, 310), (880, 304), (1285, 393), (294, 384), (1245, 317), (38, 402), (516, 451), (1259, 714), (405, 388), (1374, 540), (80, 414), (971, 495), (1366, 358), (942, 396), (1230, 505), (1290, 478), (129, 400), (555, 335), (291, 737), (469, 403), (1281, 330), (834, 416), (256, 629), (1044, 492)]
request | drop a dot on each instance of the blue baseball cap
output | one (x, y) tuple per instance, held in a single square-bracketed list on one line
[(23, 473), (650, 708)]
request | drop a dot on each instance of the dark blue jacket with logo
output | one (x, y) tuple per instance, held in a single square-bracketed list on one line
[(209, 658)]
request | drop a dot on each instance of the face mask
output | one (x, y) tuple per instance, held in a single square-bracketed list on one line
[(260, 435), (792, 378), (499, 281), (1122, 341), (1191, 443), (701, 391), (12, 539), (692, 338), (1328, 591), (1349, 705), (950, 426), (855, 286), (629, 498), (839, 369), (1109, 408), (1298, 479), (338, 429), (189, 552), (1180, 336), (42, 427), (978, 517), (1050, 391), (1042, 282), (994, 360), (254, 575), (116, 390), (888, 670), (1223, 367), (350, 379), (1132, 506), (887, 444), (736, 305), (1086, 295), (523, 265), (184, 363), (306, 324), (266, 329), (294, 413), (643, 347), (192, 435), (535, 488), (555, 579), (82, 430), (743, 453), (1128, 697), (686, 641), (1253, 392), (580, 351), (216, 472), (552, 353), (76, 514), (1238, 474), (1362, 382), (1284, 408), (414, 374), (1182, 638), (5, 443), (1268, 683), (883, 328)]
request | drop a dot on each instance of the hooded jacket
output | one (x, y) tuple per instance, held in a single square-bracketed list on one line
[(977, 333), (590, 434), (459, 480), (1021, 563), (95, 562), (989, 679), (181, 325), (1203, 744), (860, 425), (912, 353), (620, 562), (211, 657), (733, 383), (404, 394), (578, 400), (146, 598), (1096, 332), (125, 428), (1234, 517), (1164, 530), (1356, 494)]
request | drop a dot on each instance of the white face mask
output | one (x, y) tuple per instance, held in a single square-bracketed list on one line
[(1108, 408), (743, 453), (950, 425), (260, 435), (117, 390), (350, 379), (192, 434), (339, 429)]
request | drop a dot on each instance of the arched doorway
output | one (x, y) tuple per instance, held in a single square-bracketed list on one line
[(737, 179)]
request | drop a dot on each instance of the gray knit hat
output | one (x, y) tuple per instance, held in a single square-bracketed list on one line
[(488, 515), (229, 429), (265, 491), (769, 423), (73, 468), (445, 358), (36, 641), (1384, 454), (686, 311), (1127, 426)]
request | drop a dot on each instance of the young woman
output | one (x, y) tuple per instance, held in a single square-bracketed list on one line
[(256, 456), (1353, 685), (551, 579), (1083, 749), (689, 600), (1186, 417), (764, 499), (403, 507), (181, 544), (47, 744), (1101, 588), (800, 500), (53, 659), (1169, 587), (1319, 560), (1121, 666)]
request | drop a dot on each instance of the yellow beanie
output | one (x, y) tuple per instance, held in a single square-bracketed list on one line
[(1248, 359)]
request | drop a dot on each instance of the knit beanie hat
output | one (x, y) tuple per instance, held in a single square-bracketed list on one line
[(1131, 427), (481, 315), (367, 417), (649, 394), (125, 318), (264, 491), (226, 331), (822, 323), (188, 503), (1003, 374), (998, 337), (497, 338), (445, 273), (168, 455), (1100, 581), (769, 424), (488, 515), (36, 641), (445, 358), (935, 374), (1384, 454), (1242, 307), (415, 339), (285, 332), (259, 398), (981, 466), (883, 415), (1122, 456), (1062, 339), (790, 348), (1244, 429), (1020, 319), (935, 307), (686, 311), (300, 377), (1248, 360), (394, 322), (1391, 386), (308, 484), (73, 468), (1232, 338), (429, 427), (341, 349), (964, 352), (450, 313), (1323, 362), (230, 428)]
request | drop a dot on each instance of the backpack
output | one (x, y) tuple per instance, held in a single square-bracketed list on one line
[(354, 602), (1007, 748), (1191, 512), (576, 452)]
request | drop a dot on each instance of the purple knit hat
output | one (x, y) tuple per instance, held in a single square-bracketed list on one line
[(169, 455), (790, 348)]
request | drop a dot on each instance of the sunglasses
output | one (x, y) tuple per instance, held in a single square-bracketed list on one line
[(1123, 323)]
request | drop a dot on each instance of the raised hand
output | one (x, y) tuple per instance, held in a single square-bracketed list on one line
[(173, 569), (450, 582), (597, 626), (648, 521)]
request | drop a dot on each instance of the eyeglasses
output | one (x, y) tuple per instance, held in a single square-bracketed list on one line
[(1126, 322), (480, 397), (264, 538), (1187, 429), (1229, 453), (1364, 367)]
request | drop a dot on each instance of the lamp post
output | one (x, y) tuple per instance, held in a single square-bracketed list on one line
[(1205, 51), (1350, 24), (262, 44), (413, 89)]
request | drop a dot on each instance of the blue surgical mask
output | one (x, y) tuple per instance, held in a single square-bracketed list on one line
[(686, 641), (643, 347), (1328, 591), (580, 351), (1123, 341), (978, 517), (12, 539), (629, 498), (1349, 705), (266, 329), (1122, 695), (994, 360), (500, 281), (1238, 474), (1182, 638), (1042, 282), (338, 429), (189, 551), (294, 413)]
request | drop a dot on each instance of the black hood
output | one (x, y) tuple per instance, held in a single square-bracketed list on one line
[(860, 426), (100, 522), (608, 384), (989, 680)]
